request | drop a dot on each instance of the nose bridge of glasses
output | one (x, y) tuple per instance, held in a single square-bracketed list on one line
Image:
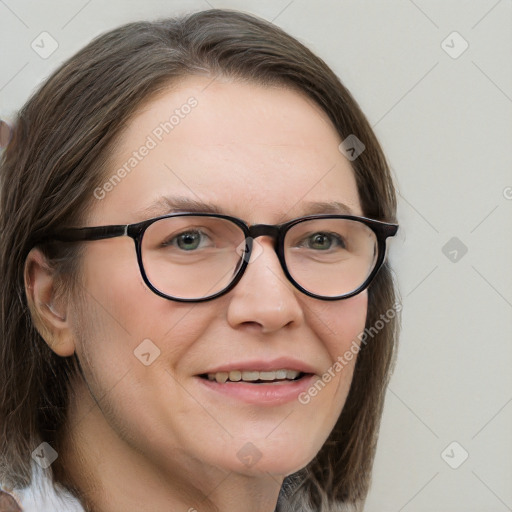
[(264, 230)]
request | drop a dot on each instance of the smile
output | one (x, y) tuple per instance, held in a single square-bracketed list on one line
[(255, 376)]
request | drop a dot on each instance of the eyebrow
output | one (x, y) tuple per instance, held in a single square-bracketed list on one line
[(175, 204)]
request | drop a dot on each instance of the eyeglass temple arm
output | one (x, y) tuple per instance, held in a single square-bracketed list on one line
[(90, 233)]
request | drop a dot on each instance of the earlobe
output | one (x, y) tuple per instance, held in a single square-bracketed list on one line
[(49, 314)]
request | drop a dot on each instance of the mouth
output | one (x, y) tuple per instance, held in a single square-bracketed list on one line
[(263, 382), (281, 376), (266, 388)]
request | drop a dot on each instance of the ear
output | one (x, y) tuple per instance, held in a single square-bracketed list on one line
[(49, 310)]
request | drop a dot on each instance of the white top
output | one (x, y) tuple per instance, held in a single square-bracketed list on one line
[(42, 497)]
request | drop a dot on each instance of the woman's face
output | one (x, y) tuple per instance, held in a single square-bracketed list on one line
[(264, 155)]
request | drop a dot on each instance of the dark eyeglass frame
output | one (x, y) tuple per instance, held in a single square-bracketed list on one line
[(382, 230)]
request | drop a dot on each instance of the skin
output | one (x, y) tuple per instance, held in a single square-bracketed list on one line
[(150, 437)]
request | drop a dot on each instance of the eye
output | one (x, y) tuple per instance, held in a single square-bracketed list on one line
[(187, 241), (323, 241)]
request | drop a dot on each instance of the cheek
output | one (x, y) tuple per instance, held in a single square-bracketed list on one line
[(123, 325), (114, 284), (129, 343), (125, 308), (339, 326), (339, 323)]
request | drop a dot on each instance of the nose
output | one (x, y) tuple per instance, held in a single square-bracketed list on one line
[(264, 298)]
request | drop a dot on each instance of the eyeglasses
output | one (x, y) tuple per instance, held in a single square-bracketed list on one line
[(195, 257)]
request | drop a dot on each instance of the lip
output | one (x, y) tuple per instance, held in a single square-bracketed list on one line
[(269, 394), (264, 365), (263, 394)]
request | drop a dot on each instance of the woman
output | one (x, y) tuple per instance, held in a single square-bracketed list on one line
[(240, 353)]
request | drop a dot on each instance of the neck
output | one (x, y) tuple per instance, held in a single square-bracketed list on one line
[(110, 474)]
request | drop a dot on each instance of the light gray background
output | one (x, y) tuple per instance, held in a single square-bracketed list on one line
[(445, 125)]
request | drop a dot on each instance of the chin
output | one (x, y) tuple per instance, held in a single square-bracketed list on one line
[(276, 458), (276, 466)]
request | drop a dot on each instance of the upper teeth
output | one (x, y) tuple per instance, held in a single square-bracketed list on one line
[(251, 376)]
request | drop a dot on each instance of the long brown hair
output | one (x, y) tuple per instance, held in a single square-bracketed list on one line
[(59, 154)]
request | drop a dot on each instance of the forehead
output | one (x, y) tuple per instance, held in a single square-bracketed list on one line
[(253, 151)]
